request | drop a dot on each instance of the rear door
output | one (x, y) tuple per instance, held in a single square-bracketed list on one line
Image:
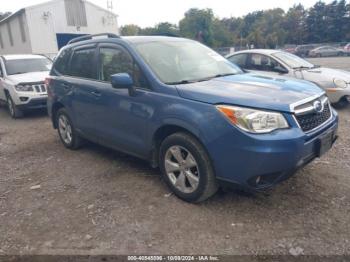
[(81, 82), (2, 84)]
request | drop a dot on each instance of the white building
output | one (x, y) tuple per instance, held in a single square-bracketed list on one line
[(45, 28)]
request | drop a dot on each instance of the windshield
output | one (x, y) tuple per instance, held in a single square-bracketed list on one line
[(21, 66), (184, 61), (293, 61)]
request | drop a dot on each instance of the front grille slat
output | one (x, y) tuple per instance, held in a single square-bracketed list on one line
[(312, 120)]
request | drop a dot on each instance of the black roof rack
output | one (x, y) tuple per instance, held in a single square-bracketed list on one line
[(87, 37)]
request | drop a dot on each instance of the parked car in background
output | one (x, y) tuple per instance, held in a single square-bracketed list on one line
[(303, 50), (188, 110), (347, 49), (22, 82), (324, 51), (277, 63)]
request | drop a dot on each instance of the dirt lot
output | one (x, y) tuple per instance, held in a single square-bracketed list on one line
[(97, 201)]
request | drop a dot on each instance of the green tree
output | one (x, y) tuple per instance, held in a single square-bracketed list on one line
[(3, 15), (295, 24), (198, 24), (131, 29)]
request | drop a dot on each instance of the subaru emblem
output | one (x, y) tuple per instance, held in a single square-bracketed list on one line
[(318, 107)]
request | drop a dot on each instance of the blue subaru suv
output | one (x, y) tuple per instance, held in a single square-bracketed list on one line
[(188, 111)]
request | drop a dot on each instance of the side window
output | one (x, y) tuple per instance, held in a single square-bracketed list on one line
[(82, 64), (1, 71), (264, 63), (62, 62), (115, 60), (239, 60)]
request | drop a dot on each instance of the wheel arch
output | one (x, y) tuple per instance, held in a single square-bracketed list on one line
[(56, 106), (168, 129)]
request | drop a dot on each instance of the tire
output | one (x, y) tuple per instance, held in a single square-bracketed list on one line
[(66, 130), (342, 103), (12, 108), (195, 170), (340, 54)]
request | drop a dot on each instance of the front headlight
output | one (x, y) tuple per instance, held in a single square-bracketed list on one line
[(252, 120), (340, 83), (24, 88)]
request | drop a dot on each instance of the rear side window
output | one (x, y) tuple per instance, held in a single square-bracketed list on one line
[(239, 60), (116, 60), (82, 64), (62, 62)]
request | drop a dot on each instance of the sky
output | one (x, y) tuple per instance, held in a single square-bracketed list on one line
[(150, 12)]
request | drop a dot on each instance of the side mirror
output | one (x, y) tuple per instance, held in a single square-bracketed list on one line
[(123, 80), (281, 70)]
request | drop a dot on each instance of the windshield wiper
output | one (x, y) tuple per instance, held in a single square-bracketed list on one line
[(198, 80), (302, 67), (18, 73)]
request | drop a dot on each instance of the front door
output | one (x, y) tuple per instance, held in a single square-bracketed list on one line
[(124, 120)]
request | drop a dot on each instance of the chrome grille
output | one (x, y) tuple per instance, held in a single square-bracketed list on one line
[(39, 88), (307, 117)]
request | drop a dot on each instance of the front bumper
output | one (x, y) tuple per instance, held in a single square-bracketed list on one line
[(34, 103), (336, 94), (270, 158)]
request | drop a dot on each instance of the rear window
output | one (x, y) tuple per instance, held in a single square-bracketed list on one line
[(239, 60), (82, 64), (62, 61)]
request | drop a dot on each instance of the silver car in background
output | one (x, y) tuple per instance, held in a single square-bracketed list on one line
[(276, 63), (324, 51)]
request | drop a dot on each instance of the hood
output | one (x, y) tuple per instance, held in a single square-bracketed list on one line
[(250, 90), (28, 77), (323, 74)]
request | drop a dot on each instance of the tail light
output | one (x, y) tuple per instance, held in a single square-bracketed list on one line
[(47, 85)]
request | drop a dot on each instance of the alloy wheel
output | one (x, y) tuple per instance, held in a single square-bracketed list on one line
[(182, 169), (65, 129)]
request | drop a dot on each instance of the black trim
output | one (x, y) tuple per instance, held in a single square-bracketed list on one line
[(34, 103), (89, 37)]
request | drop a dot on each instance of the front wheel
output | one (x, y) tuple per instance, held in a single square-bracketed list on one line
[(66, 130), (13, 109), (186, 168)]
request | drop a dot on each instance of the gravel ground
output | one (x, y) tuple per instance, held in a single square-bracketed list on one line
[(332, 62), (98, 201)]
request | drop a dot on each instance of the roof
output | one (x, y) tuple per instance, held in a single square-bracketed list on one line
[(259, 51), (141, 39), (13, 57), (20, 11)]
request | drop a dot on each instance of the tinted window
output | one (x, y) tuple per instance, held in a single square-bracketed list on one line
[(1, 71), (116, 60), (264, 63), (82, 64), (62, 61), (239, 60)]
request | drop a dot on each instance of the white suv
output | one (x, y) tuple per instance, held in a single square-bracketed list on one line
[(22, 84)]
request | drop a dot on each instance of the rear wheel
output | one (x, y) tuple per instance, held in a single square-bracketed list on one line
[(13, 109), (186, 168), (66, 130)]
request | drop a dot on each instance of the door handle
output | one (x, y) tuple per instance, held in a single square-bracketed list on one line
[(95, 93), (65, 86)]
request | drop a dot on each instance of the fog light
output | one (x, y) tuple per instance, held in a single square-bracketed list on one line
[(257, 181), (23, 99)]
